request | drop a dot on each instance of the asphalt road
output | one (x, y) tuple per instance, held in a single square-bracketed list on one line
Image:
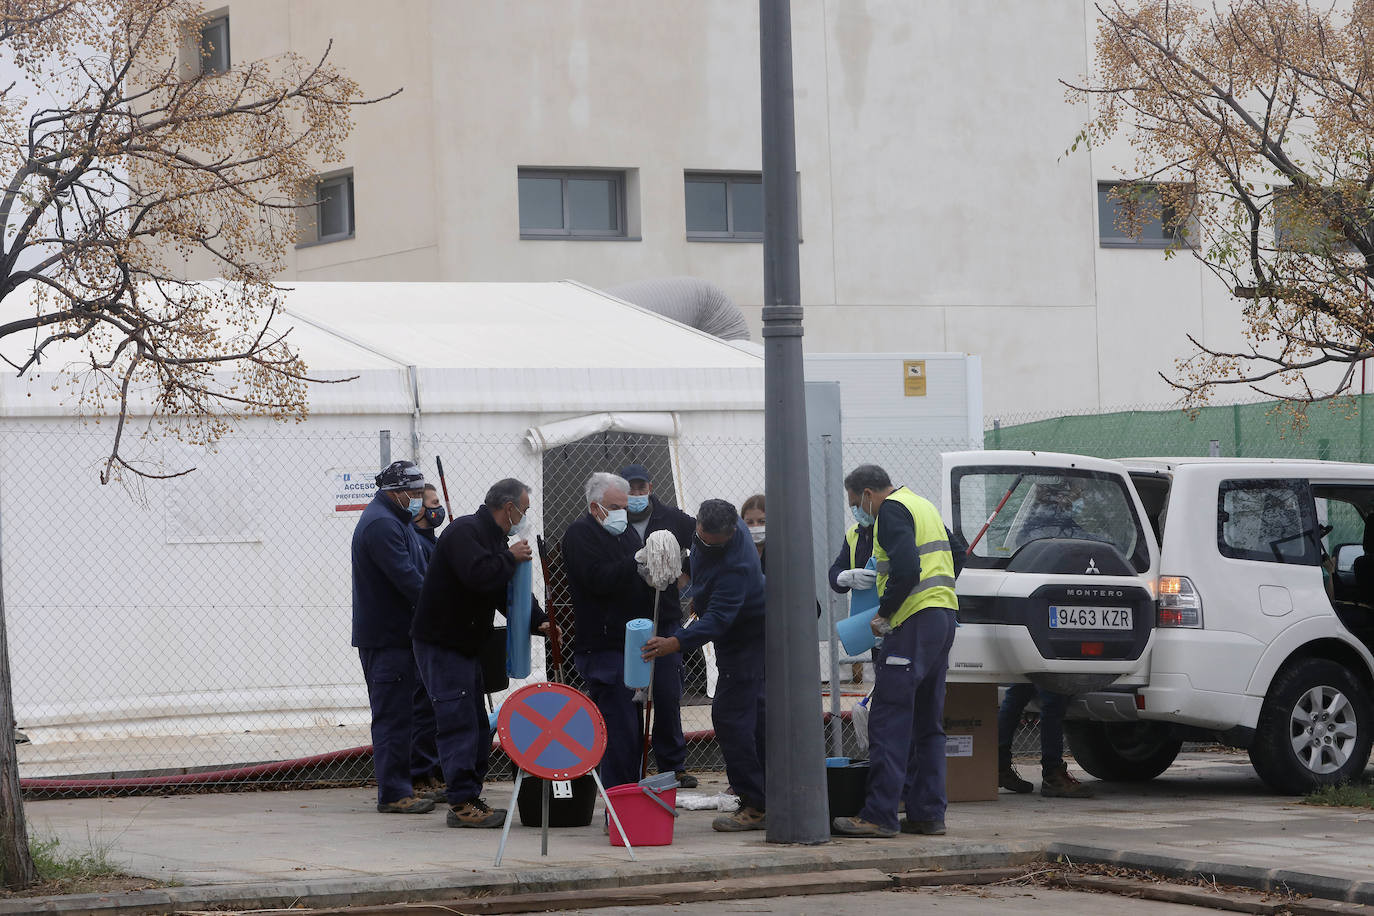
[(1005, 901)]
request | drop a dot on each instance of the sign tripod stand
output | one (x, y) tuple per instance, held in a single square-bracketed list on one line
[(555, 733)]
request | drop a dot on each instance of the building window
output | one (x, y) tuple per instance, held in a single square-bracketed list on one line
[(586, 203), (214, 45), (1136, 214), (724, 206), (326, 209)]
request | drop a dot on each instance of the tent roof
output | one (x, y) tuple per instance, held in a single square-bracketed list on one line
[(561, 325), (471, 347)]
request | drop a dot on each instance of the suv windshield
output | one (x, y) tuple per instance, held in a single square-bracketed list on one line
[(1041, 503)]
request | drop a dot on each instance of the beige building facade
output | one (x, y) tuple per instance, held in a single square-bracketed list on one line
[(939, 208)]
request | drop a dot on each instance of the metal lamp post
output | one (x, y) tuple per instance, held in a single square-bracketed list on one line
[(797, 809)]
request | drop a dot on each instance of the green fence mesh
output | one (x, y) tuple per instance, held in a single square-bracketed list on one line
[(1259, 430), (1340, 432)]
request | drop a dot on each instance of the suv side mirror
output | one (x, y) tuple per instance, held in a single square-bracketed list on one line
[(1346, 555)]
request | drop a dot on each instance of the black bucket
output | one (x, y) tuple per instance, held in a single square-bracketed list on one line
[(846, 787), (563, 812)]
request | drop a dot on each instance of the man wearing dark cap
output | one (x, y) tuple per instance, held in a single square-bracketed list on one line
[(647, 514), (388, 572)]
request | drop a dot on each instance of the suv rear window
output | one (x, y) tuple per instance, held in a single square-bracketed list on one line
[(1044, 503), (1273, 521)]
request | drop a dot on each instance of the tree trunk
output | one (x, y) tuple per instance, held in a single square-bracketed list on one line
[(16, 863)]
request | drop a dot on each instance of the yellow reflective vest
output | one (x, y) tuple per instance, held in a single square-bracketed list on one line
[(936, 585), (851, 538)]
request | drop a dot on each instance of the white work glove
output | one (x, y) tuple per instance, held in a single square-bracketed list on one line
[(857, 578)]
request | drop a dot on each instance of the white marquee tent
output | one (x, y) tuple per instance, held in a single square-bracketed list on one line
[(220, 600)]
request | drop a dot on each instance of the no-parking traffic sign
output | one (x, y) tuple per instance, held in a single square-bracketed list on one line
[(551, 731)]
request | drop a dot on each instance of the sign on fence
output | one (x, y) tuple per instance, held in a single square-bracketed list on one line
[(352, 489)]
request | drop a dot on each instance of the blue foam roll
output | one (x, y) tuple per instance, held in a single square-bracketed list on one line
[(855, 634), (862, 600), (837, 762), (519, 595), (637, 633)]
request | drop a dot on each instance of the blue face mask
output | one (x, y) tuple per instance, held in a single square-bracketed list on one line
[(638, 504), (860, 516), (615, 521), (417, 505)]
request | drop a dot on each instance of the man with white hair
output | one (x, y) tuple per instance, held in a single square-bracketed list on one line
[(599, 554)]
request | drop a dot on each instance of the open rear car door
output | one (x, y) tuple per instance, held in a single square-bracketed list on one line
[(1058, 586)]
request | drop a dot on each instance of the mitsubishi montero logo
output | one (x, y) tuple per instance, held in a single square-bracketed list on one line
[(1095, 593), (1092, 569)]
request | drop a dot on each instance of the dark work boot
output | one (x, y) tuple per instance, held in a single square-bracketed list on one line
[(1058, 782), (1007, 777)]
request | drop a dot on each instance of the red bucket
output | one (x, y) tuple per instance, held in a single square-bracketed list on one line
[(647, 815)]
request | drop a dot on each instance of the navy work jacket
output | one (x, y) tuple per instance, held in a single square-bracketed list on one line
[(388, 570), (727, 593)]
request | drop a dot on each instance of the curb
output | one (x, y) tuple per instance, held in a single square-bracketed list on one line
[(883, 855), (1262, 879)]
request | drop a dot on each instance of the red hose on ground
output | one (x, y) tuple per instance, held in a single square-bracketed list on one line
[(74, 788), (61, 787)]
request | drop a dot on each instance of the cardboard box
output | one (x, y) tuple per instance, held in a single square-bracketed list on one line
[(971, 742)]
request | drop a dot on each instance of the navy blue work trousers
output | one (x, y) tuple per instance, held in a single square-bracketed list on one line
[(463, 732), (403, 742), (737, 717), (906, 727), (1052, 706), (603, 670), (670, 747)]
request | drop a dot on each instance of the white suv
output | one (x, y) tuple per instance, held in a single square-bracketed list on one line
[(1191, 598)]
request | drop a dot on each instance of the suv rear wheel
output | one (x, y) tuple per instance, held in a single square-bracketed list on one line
[(1122, 751), (1314, 729)]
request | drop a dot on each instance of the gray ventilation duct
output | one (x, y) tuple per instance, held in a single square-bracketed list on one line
[(696, 303)]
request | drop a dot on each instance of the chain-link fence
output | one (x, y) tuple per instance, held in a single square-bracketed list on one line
[(193, 632)]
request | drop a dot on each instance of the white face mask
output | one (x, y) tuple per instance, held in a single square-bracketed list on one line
[(757, 534), (520, 528)]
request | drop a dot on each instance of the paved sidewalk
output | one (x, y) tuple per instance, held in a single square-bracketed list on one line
[(1208, 810)]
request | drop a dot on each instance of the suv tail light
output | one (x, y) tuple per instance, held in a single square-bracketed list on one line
[(1179, 604)]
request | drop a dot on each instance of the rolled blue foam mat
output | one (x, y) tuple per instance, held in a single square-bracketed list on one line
[(837, 761), (519, 593), (855, 633), (637, 633), (862, 600)]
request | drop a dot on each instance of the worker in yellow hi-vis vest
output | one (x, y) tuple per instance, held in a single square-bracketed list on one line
[(916, 624)]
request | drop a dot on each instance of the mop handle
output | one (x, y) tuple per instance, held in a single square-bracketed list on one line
[(649, 695), (439, 464)]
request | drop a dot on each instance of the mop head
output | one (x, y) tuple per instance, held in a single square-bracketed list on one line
[(662, 558)]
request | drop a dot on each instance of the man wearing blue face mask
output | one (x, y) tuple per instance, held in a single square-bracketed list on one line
[(389, 562), (474, 561), (607, 592), (647, 514), (430, 518)]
